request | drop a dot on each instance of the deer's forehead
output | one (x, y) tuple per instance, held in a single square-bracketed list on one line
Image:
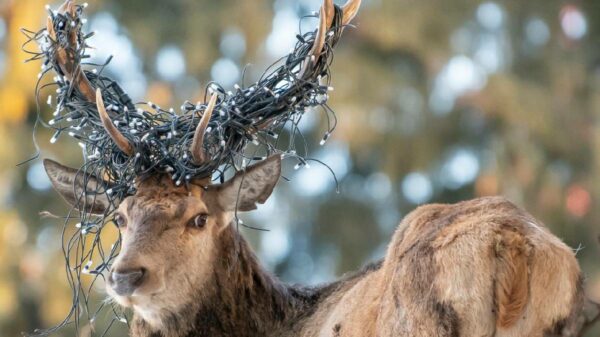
[(164, 202), (163, 188), (148, 205)]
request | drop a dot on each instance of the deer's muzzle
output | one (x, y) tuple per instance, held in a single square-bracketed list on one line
[(124, 283)]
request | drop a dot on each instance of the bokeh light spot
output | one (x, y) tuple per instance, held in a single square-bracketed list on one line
[(578, 200), (317, 178), (225, 71), (276, 245), (537, 32), (378, 185), (461, 168), (170, 63), (283, 35), (233, 44), (37, 178), (417, 188), (490, 15), (573, 22)]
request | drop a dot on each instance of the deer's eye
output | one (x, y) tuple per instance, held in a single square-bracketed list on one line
[(120, 220), (198, 221)]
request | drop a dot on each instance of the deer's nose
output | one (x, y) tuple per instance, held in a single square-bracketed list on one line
[(124, 282)]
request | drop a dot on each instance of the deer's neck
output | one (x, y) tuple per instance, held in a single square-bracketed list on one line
[(246, 300), (241, 299)]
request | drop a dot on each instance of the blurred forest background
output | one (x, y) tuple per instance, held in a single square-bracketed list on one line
[(437, 101)]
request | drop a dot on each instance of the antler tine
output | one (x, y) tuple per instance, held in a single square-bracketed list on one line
[(321, 32), (122, 143), (350, 9), (197, 147), (326, 14), (65, 61), (329, 13), (67, 7), (50, 28)]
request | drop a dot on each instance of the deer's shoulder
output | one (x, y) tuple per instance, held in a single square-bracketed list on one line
[(485, 263)]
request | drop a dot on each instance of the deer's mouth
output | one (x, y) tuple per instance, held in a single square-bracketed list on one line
[(146, 306)]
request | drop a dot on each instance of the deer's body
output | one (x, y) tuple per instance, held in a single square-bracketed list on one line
[(477, 268)]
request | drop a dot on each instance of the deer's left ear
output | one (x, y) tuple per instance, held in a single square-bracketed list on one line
[(87, 195), (249, 187)]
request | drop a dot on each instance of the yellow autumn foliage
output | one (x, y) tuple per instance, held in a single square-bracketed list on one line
[(19, 78)]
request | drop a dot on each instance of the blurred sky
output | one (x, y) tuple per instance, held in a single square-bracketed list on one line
[(437, 101)]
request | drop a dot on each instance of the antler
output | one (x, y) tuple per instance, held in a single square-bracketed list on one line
[(326, 15), (66, 57), (259, 108), (350, 9), (111, 129), (69, 66), (197, 147)]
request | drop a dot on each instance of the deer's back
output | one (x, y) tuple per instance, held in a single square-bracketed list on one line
[(477, 268)]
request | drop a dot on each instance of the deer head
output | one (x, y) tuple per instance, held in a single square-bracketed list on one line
[(168, 231)]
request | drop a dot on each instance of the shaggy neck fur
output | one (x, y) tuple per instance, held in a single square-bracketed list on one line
[(241, 299)]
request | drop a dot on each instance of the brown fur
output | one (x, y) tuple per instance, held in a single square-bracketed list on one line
[(512, 280), (477, 268)]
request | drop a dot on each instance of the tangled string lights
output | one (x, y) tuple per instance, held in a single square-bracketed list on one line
[(122, 141)]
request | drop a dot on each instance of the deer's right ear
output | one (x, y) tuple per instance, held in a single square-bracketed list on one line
[(87, 195)]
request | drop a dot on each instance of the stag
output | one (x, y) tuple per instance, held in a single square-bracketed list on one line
[(477, 268)]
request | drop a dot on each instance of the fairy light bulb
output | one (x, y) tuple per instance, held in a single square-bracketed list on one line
[(54, 138), (86, 268), (325, 138)]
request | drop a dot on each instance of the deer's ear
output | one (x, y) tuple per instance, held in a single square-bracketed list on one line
[(87, 195), (249, 187)]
